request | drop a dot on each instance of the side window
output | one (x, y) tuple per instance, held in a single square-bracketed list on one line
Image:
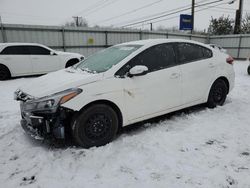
[(38, 50), (15, 50), (192, 52), (207, 53), (155, 58)]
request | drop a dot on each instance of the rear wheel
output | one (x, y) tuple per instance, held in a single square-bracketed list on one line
[(95, 126), (4, 73), (217, 94), (248, 70)]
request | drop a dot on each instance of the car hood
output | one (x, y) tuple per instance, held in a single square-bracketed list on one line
[(58, 81), (68, 53)]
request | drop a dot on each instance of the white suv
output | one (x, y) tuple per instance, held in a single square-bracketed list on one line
[(18, 59), (122, 85)]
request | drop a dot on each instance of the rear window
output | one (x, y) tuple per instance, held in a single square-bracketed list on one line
[(188, 52), (38, 50)]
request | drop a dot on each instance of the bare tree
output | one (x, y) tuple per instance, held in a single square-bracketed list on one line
[(245, 27), (77, 22)]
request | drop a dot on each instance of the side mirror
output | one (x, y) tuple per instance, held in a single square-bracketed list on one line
[(52, 53), (138, 70)]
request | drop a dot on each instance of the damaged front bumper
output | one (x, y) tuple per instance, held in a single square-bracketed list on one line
[(45, 117), (46, 125)]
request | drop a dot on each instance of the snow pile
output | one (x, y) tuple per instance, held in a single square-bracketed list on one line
[(201, 148)]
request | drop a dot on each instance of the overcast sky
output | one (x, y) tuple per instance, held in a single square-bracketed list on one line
[(111, 12)]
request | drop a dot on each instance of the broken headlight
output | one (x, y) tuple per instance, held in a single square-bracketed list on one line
[(51, 102)]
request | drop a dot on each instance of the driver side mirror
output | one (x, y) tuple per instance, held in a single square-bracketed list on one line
[(52, 53), (138, 70)]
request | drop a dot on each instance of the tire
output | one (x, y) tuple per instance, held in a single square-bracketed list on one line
[(217, 94), (248, 70), (4, 73), (95, 126)]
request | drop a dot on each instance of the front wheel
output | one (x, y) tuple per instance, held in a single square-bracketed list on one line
[(248, 70), (217, 94), (4, 73), (95, 126)]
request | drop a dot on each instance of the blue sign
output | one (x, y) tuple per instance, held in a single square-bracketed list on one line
[(186, 22)]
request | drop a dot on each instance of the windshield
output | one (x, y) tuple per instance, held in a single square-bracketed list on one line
[(105, 59)]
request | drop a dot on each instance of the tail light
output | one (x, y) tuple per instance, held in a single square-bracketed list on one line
[(230, 60)]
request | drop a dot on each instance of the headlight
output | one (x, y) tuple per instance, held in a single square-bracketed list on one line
[(53, 101)]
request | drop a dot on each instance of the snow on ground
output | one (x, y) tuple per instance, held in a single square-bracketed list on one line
[(201, 148)]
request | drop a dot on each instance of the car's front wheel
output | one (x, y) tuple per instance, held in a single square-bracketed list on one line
[(217, 94), (4, 73), (95, 126), (248, 70)]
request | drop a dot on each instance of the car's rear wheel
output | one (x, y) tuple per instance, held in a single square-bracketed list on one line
[(217, 94), (95, 126), (4, 73), (248, 70)]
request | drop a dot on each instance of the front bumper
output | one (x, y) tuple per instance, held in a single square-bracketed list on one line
[(40, 125)]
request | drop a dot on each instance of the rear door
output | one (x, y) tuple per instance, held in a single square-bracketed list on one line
[(158, 90), (17, 59), (197, 70), (42, 60)]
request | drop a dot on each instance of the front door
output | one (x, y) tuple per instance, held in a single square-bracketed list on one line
[(158, 90), (17, 58)]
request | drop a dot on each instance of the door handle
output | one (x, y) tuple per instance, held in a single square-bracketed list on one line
[(34, 58), (174, 75), (7, 58)]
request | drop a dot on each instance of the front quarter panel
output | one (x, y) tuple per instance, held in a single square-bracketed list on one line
[(109, 89)]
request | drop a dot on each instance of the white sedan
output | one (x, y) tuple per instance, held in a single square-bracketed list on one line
[(122, 85), (19, 59)]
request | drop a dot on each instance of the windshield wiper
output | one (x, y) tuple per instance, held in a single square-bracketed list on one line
[(87, 70)]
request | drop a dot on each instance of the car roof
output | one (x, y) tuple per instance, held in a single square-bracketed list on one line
[(4, 45), (19, 44), (150, 42)]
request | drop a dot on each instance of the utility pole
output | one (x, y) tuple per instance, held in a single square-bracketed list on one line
[(193, 4), (77, 18), (151, 26), (2, 30), (238, 17)]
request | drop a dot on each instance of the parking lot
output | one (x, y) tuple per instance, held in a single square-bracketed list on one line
[(192, 148)]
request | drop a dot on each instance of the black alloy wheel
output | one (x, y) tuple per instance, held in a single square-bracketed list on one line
[(217, 94), (95, 126)]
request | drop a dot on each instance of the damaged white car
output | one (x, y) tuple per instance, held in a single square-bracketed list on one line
[(122, 85)]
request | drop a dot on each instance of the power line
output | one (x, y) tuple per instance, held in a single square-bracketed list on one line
[(178, 15), (130, 12), (160, 13), (100, 7), (91, 7), (152, 15), (168, 14)]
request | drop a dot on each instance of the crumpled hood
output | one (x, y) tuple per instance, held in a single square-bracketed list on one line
[(58, 81)]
